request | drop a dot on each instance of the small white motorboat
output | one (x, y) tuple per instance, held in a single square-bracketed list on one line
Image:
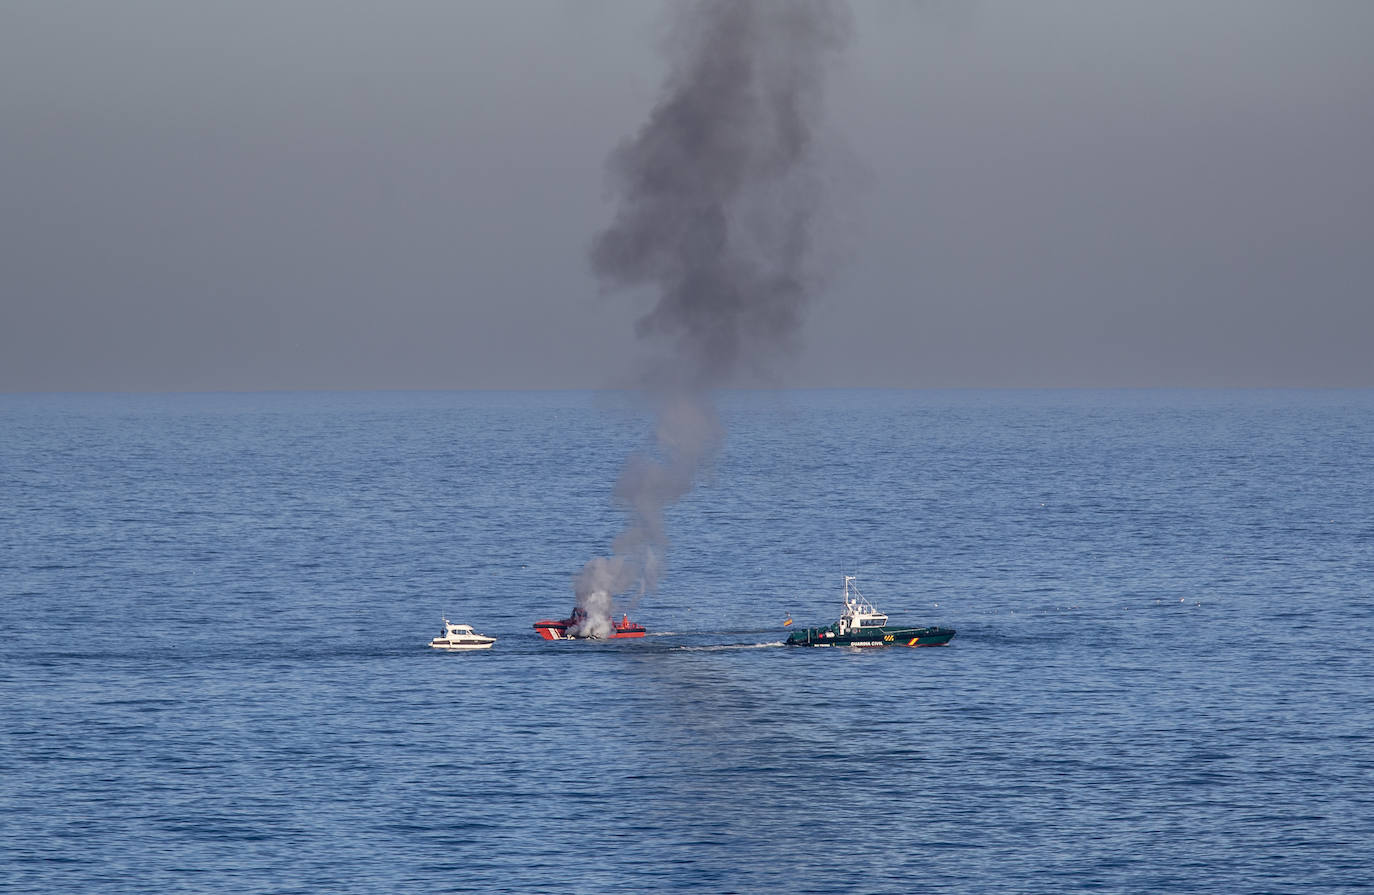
[(461, 637)]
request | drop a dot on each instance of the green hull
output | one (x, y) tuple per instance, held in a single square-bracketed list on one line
[(865, 637)]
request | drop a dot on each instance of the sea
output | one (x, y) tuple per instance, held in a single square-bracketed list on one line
[(214, 677)]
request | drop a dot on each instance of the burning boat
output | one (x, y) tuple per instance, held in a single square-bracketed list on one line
[(573, 628), (863, 625)]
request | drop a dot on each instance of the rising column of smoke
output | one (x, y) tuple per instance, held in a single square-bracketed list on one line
[(716, 205)]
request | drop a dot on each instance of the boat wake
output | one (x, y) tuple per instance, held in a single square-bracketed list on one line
[(719, 647)]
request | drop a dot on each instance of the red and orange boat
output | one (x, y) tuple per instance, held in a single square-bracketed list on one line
[(558, 630)]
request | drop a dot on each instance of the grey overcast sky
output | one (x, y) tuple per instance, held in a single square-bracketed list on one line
[(307, 194)]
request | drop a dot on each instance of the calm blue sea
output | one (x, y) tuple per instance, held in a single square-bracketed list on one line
[(214, 678)]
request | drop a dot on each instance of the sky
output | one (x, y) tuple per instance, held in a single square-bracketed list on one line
[(345, 195)]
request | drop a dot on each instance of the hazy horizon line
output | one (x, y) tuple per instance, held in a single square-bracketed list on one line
[(723, 390)]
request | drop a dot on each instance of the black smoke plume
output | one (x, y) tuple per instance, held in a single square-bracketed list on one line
[(717, 197)]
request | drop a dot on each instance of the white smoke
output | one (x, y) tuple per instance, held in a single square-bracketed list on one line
[(601, 579)]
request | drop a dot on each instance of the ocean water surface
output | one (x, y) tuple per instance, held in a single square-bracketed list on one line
[(214, 678)]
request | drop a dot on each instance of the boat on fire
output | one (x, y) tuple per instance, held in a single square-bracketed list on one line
[(862, 625), (455, 637), (559, 630)]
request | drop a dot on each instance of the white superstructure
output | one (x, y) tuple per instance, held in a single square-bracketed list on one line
[(858, 612)]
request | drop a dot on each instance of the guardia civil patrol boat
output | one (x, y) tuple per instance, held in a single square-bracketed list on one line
[(862, 625)]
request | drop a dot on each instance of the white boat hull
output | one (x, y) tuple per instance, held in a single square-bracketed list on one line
[(441, 644)]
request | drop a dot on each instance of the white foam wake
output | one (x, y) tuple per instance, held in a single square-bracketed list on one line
[(728, 646)]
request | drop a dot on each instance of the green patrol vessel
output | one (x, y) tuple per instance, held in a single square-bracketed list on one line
[(863, 625)]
